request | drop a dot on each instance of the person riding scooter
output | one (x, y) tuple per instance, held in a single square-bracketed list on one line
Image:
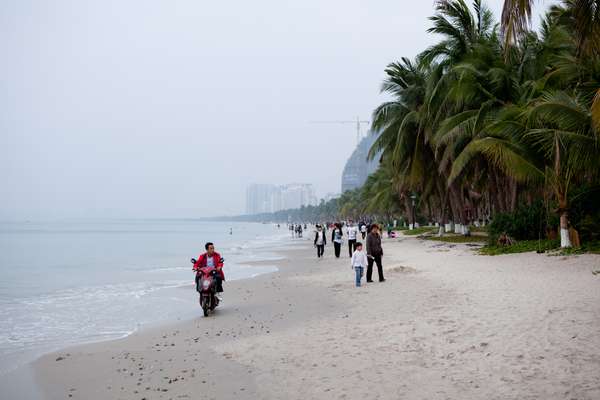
[(211, 259)]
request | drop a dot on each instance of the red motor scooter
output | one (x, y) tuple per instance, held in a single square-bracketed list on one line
[(206, 285)]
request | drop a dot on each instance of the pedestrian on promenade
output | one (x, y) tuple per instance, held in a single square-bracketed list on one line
[(320, 241), (359, 262), (337, 238), (363, 230), (352, 232), (374, 253)]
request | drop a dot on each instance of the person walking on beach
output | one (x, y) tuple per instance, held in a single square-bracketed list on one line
[(359, 262), (363, 230), (320, 241), (352, 232), (374, 253), (337, 237)]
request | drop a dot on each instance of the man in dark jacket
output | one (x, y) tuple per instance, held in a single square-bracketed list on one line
[(320, 241), (337, 237), (374, 253)]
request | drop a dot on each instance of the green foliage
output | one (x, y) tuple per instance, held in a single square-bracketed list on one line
[(477, 123), (479, 228), (458, 239), (420, 231), (588, 247), (525, 223), (520, 247), (585, 212)]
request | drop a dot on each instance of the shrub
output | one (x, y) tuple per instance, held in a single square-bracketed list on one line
[(525, 223), (457, 239), (584, 213), (520, 247), (419, 231)]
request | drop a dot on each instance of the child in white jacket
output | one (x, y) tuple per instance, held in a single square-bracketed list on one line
[(359, 262)]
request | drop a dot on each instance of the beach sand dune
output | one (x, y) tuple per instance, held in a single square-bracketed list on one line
[(446, 324)]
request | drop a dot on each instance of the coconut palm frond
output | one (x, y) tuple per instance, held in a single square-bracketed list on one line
[(515, 19)]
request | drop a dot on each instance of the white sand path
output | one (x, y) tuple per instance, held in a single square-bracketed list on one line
[(447, 324)]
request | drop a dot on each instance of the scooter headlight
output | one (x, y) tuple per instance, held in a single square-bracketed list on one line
[(205, 284)]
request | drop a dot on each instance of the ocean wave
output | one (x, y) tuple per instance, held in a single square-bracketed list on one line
[(92, 312)]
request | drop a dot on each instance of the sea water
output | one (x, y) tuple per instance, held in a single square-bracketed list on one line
[(63, 283)]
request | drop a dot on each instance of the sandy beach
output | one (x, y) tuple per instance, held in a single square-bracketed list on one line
[(446, 324)]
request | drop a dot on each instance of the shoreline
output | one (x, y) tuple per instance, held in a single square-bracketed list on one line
[(41, 365), (445, 324), (22, 371)]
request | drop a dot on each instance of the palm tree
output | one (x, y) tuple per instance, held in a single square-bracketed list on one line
[(583, 17), (400, 123), (464, 33), (482, 122), (379, 194), (461, 29), (561, 125)]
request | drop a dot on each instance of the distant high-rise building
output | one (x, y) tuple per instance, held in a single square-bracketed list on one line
[(259, 198), (358, 168), (264, 198), (296, 195)]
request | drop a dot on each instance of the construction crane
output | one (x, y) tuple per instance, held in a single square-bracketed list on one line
[(357, 121)]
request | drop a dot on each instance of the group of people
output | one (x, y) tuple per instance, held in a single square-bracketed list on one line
[(296, 229), (361, 259)]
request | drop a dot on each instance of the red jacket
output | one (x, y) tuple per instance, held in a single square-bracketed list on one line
[(201, 263)]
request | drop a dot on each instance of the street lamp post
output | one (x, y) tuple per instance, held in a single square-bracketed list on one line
[(413, 197)]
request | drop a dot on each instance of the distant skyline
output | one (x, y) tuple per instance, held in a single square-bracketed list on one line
[(156, 109), (268, 198)]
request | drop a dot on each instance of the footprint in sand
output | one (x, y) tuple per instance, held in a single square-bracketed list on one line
[(402, 269)]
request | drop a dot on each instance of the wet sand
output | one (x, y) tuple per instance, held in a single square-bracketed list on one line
[(446, 324)]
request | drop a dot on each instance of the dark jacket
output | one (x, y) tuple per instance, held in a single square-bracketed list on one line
[(324, 237), (336, 230), (374, 245)]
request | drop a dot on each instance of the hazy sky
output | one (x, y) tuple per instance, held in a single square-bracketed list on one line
[(170, 108)]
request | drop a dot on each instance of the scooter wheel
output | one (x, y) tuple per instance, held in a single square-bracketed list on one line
[(205, 311)]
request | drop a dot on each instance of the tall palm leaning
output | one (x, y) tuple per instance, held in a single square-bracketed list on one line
[(560, 124), (582, 19), (465, 33), (583, 16), (400, 123)]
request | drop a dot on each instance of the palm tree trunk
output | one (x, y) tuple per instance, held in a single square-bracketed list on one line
[(457, 207), (496, 196), (409, 209), (443, 195), (565, 240), (442, 223), (513, 195)]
